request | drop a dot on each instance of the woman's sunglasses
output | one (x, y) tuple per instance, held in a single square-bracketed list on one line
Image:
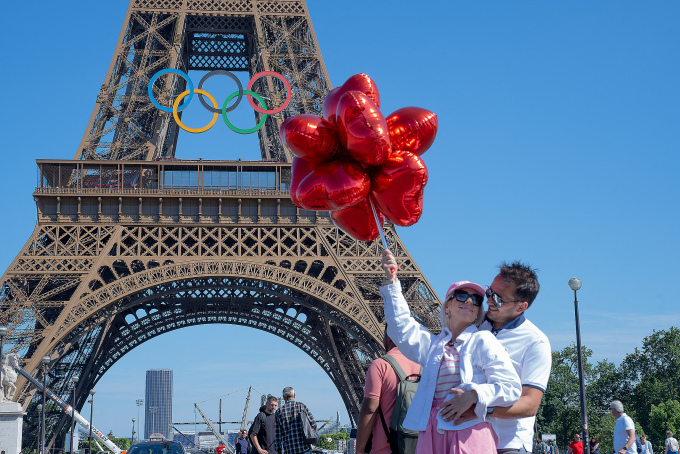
[(462, 296)]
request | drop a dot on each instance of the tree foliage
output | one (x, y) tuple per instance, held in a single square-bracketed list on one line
[(663, 417), (123, 443), (647, 382), (324, 442)]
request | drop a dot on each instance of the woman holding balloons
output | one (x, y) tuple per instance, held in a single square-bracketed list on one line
[(460, 357)]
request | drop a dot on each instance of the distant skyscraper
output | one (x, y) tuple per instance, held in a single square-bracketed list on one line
[(158, 410)]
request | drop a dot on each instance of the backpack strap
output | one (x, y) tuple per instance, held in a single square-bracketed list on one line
[(401, 375), (382, 418)]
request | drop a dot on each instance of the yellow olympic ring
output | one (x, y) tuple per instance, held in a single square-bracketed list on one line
[(194, 130)]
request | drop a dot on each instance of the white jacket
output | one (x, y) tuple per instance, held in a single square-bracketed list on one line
[(484, 364)]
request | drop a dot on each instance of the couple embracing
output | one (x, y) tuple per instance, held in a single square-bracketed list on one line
[(484, 374)]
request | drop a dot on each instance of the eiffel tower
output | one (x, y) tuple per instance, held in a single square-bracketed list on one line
[(131, 243)]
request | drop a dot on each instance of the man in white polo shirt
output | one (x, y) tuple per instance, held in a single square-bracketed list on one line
[(510, 294), (624, 430)]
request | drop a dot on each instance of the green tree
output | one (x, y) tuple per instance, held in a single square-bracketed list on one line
[(123, 443), (663, 417), (324, 442), (560, 411), (651, 374)]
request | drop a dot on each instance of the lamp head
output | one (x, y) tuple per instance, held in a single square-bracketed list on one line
[(574, 283), (92, 392), (45, 360), (133, 420), (74, 379), (3, 331)]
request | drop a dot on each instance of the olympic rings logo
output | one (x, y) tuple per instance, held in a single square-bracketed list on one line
[(214, 108)]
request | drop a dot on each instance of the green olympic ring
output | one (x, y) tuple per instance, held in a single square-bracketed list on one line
[(239, 130)]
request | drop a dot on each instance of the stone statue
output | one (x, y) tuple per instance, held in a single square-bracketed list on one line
[(9, 376)]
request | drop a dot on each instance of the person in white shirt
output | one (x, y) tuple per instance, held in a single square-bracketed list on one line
[(646, 445), (624, 430), (671, 443), (459, 357), (510, 294)]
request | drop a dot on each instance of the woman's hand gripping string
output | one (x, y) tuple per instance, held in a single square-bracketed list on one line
[(389, 264)]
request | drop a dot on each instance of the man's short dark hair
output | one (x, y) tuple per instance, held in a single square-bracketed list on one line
[(523, 277), (272, 399)]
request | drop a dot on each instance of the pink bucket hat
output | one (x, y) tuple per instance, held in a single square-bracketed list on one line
[(455, 286)]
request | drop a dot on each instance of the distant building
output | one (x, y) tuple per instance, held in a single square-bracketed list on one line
[(158, 403)]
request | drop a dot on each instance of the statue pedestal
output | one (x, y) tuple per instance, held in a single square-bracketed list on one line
[(11, 421)]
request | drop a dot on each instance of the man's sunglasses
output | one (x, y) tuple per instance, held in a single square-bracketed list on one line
[(462, 296), (498, 302)]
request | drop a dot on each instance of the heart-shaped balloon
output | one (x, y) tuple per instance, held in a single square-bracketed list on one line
[(358, 82), (300, 168), (310, 137), (362, 129), (333, 186), (412, 129), (358, 221), (397, 187)]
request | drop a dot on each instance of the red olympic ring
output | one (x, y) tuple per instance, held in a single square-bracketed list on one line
[(280, 77)]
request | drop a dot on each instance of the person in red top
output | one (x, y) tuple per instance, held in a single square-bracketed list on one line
[(576, 446), (381, 390), (220, 449)]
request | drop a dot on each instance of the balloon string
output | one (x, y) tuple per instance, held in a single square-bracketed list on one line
[(377, 223), (393, 271)]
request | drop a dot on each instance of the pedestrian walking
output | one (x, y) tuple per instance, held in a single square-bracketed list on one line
[(290, 438), (624, 430), (241, 445), (594, 446), (262, 433), (576, 446), (646, 445), (671, 443)]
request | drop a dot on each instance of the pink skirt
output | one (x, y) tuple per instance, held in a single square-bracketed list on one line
[(478, 439)]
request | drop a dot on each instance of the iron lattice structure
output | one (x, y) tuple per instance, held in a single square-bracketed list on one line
[(129, 245), (233, 35)]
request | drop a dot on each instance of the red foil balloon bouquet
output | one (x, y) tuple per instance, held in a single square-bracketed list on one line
[(356, 163)]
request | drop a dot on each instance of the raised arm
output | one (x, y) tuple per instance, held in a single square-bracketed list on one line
[(411, 337)]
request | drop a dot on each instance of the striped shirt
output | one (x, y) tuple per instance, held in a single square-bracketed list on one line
[(449, 372)]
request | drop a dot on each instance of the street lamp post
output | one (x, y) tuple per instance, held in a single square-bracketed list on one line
[(575, 284), (3, 333), (133, 430), (89, 444), (74, 380), (39, 408), (139, 403), (44, 362)]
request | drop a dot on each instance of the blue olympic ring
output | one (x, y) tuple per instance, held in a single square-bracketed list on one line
[(181, 74)]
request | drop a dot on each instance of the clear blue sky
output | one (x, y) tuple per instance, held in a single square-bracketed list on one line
[(558, 145)]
